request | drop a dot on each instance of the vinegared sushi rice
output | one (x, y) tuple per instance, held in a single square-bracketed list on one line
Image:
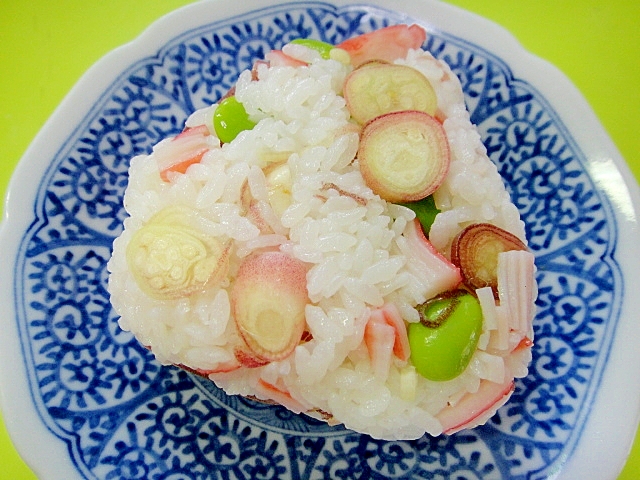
[(273, 246)]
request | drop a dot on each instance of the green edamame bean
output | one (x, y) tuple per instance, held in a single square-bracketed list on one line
[(425, 211), (321, 47), (446, 337), (230, 118)]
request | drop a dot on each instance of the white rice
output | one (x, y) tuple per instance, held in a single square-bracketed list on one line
[(349, 236)]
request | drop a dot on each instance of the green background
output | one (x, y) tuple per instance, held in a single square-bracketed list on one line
[(46, 46)]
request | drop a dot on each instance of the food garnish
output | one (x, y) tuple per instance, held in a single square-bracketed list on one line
[(381, 88), (404, 156), (169, 258), (475, 250), (388, 44), (268, 302), (179, 153)]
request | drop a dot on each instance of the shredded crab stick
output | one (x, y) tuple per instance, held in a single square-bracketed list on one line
[(277, 58), (475, 408), (517, 289), (394, 318), (379, 338), (179, 153), (386, 44), (440, 274), (510, 321), (385, 336), (280, 395), (221, 367)]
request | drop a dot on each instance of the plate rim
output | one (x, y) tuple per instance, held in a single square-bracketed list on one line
[(599, 144)]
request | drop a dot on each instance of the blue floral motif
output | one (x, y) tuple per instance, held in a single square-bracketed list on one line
[(124, 416)]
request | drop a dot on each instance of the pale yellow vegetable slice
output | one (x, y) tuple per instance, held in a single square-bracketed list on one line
[(170, 258), (384, 88), (404, 156), (268, 303)]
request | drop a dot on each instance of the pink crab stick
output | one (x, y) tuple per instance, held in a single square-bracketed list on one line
[(280, 395), (393, 317), (277, 58), (440, 274), (386, 44), (385, 336), (183, 151), (379, 337), (475, 408)]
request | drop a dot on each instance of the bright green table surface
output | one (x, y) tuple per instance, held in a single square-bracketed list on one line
[(46, 46)]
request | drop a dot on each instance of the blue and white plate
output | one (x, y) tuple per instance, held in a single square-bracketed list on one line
[(87, 401)]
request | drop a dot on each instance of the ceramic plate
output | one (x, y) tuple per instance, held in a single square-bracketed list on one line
[(84, 400)]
